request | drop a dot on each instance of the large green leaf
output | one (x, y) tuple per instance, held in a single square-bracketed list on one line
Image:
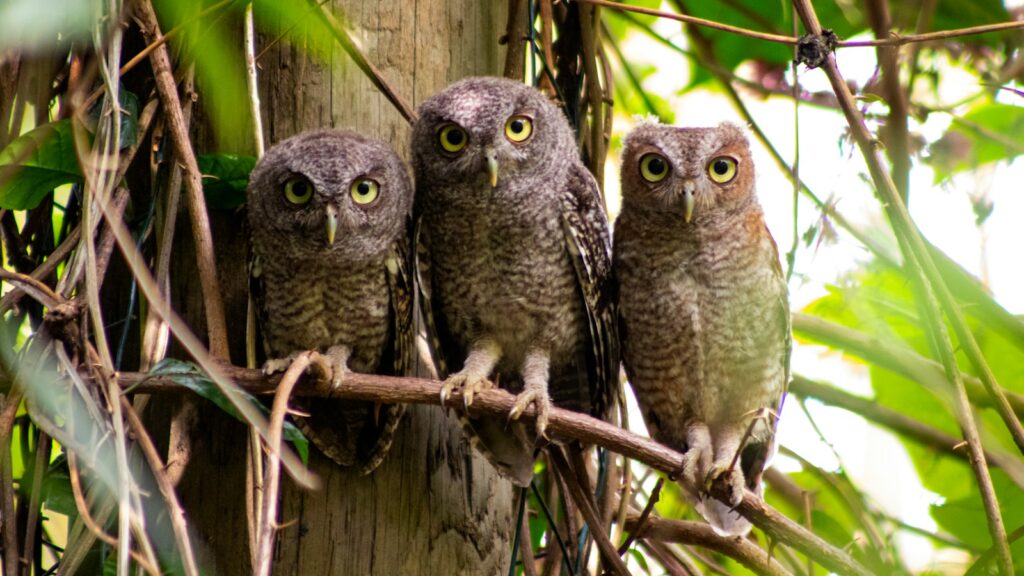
[(225, 177), (35, 163), (188, 375)]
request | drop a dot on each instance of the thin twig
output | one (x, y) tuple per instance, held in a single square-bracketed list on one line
[(903, 425), (175, 512), (580, 496), (701, 534), (648, 508), (91, 524), (894, 40), (42, 461), (268, 516), (892, 356), (213, 302), (8, 411), (251, 81), (159, 305), (934, 290)]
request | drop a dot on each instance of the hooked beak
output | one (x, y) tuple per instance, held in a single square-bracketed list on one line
[(492, 165), (332, 223), (689, 200)]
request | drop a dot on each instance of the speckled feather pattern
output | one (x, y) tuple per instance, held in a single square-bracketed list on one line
[(525, 263), (312, 295), (703, 304)]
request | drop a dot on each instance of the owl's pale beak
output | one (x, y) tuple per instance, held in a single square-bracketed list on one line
[(492, 165), (689, 200), (332, 223)]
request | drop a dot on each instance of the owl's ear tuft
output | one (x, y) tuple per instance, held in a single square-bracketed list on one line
[(646, 120)]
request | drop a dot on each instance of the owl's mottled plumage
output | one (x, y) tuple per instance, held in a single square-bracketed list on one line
[(514, 258), (332, 273), (703, 304)]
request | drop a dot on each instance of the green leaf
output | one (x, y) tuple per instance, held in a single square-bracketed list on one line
[(188, 375), (57, 494), (35, 163), (225, 178), (989, 132)]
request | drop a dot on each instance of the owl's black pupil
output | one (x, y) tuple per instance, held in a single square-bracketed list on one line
[(454, 137), (656, 166), (299, 188), (721, 167), (363, 188), (517, 126)]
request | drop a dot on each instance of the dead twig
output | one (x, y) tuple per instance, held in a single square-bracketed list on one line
[(268, 516)]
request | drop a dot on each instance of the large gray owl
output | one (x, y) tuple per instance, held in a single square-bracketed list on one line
[(514, 260), (329, 217), (705, 316)]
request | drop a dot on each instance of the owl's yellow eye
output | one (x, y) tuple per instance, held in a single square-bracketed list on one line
[(453, 138), (722, 169), (364, 191), (298, 190), (653, 167), (518, 128)]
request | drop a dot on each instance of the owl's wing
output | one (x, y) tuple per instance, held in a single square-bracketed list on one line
[(587, 237), (759, 451), (255, 346), (443, 349), (402, 344)]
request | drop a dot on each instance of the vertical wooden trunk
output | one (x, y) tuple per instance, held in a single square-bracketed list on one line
[(433, 507)]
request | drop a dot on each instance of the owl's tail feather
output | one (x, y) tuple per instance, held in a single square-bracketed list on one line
[(353, 434), (505, 446), (723, 520)]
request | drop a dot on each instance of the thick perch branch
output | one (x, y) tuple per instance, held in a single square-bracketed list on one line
[(563, 425)]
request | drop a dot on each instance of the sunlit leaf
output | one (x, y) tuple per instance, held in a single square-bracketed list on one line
[(987, 133), (35, 163)]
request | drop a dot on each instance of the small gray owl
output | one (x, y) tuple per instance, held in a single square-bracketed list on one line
[(329, 217), (513, 260), (703, 305)]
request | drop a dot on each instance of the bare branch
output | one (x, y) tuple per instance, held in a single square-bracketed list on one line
[(563, 425)]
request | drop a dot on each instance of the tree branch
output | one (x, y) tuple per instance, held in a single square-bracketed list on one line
[(701, 534), (563, 425)]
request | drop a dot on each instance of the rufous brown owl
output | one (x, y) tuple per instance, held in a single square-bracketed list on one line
[(703, 305), (514, 260), (329, 217)]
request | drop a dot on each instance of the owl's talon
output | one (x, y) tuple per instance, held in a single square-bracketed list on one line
[(470, 384), (731, 476), (540, 401), (275, 365), (338, 361)]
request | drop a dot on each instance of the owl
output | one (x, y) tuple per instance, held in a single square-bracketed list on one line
[(513, 258), (703, 306), (329, 215)]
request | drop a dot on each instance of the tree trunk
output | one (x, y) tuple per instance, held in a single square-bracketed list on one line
[(434, 506)]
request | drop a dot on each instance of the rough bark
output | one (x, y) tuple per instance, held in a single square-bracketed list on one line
[(433, 507)]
